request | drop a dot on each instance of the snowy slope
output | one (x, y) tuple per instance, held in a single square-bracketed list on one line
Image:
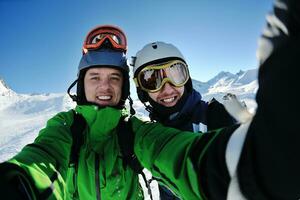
[(23, 115)]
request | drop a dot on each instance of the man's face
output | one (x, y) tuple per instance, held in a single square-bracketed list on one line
[(168, 96), (103, 86)]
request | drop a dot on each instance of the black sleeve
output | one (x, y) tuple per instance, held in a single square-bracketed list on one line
[(269, 167), (217, 116), (213, 171)]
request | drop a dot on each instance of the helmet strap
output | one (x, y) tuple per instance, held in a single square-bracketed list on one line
[(132, 111), (73, 96)]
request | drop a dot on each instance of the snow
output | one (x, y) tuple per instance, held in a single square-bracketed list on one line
[(3, 87), (23, 115), (248, 77)]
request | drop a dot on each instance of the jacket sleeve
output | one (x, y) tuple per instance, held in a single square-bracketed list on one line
[(43, 163), (176, 158), (273, 137)]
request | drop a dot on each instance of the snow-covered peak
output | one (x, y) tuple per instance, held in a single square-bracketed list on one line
[(222, 75), (243, 84), (4, 89), (227, 78), (247, 77)]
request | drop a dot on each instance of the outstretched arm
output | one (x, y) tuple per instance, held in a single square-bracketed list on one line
[(270, 163), (39, 170), (184, 161)]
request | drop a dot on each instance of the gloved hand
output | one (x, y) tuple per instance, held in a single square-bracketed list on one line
[(14, 184), (236, 109)]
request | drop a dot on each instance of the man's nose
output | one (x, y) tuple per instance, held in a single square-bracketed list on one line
[(104, 83)]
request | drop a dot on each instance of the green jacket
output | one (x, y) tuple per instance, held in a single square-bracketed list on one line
[(46, 161)]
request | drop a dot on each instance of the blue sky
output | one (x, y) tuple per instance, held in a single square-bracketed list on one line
[(41, 40)]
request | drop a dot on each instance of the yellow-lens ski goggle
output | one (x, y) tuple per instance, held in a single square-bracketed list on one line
[(153, 77)]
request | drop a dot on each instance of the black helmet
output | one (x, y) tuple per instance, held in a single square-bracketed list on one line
[(103, 57)]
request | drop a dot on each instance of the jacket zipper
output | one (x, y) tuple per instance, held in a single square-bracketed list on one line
[(97, 176)]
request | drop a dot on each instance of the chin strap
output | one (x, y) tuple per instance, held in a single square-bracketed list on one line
[(149, 109), (132, 111), (73, 97)]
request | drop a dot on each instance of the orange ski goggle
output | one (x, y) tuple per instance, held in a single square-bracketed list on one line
[(98, 35)]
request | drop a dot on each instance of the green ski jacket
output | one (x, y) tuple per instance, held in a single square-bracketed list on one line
[(100, 173)]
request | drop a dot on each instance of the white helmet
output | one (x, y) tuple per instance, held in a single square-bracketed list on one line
[(154, 52)]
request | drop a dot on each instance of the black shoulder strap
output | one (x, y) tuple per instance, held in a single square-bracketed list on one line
[(77, 129), (126, 143)]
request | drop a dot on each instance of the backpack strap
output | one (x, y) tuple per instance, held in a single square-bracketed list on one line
[(126, 143), (77, 130)]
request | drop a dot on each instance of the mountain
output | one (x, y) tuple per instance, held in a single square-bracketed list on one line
[(4, 89), (243, 84)]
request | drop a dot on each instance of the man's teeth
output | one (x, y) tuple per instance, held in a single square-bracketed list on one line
[(104, 97), (168, 100)]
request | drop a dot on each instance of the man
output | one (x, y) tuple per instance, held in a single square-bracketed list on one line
[(258, 159), (162, 78), (54, 166)]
